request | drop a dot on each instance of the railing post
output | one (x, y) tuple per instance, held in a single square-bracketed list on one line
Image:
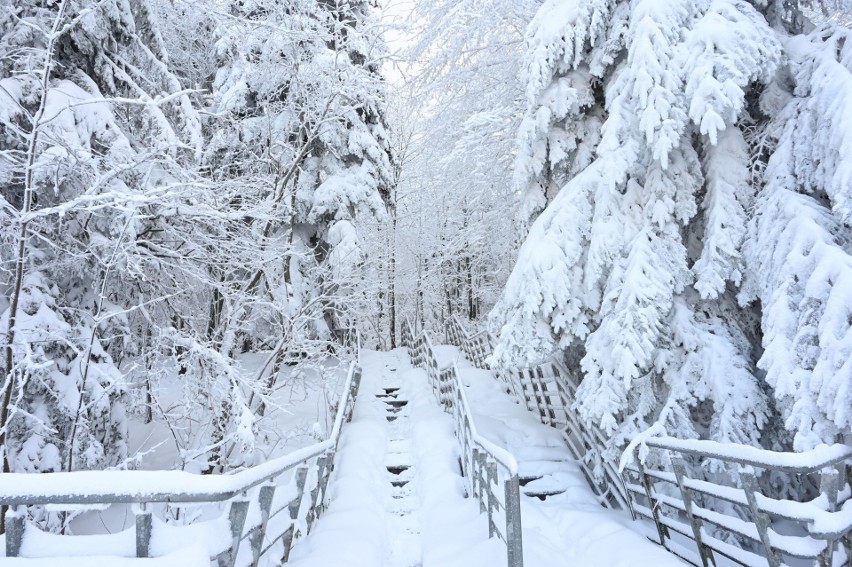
[(322, 481), (662, 532), (491, 483), (15, 526), (761, 520), (526, 391), (312, 511), (267, 491), (237, 520), (828, 485), (514, 537), (144, 527), (482, 480), (294, 507), (695, 521)]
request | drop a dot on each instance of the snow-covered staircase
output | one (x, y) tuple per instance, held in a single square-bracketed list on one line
[(404, 549), (545, 471), (443, 463), (730, 521)]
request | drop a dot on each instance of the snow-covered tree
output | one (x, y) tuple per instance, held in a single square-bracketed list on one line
[(664, 150), (77, 172), (457, 239)]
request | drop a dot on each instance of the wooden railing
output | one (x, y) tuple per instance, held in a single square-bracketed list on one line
[(491, 471), (260, 513), (724, 514)]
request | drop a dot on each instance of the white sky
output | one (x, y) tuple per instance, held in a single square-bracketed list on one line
[(396, 16)]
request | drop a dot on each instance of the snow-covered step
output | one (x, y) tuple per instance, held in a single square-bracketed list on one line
[(542, 453), (543, 487), (537, 469)]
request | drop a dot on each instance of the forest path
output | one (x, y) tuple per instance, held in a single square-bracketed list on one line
[(396, 497)]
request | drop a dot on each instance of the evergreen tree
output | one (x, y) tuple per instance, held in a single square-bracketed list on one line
[(652, 131)]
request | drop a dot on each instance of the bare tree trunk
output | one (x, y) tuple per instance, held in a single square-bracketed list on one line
[(392, 290), (471, 304)]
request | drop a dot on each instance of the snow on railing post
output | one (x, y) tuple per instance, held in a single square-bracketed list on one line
[(491, 482), (662, 531), (237, 520), (828, 485), (686, 495), (514, 537), (15, 526), (267, 492), (761, 520), (144, 525)]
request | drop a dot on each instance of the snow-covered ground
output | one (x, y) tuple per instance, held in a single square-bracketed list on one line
[(298, 416), (429, 521)]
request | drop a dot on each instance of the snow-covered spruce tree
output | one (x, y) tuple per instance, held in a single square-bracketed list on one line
[(683, 164), (81, 133), (305, 90), (76, 170)]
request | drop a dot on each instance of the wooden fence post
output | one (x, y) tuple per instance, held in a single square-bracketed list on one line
[(237, 520), (761, 520), (267, 492), (15, 526)]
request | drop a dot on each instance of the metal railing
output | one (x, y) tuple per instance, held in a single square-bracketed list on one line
[(256, 505), (548, 390), (737, 520), (723, 514), (476, 347), (491, 472)]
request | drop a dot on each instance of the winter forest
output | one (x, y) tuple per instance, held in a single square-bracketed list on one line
[(208, 207)]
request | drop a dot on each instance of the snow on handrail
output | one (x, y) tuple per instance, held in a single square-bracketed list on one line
[(501, 455), (478, 453), (102, 487), (800, 463)]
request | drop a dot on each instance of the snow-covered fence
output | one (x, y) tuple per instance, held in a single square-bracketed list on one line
[(713, 514), (476, 347), (722, 517), (548, 390), (491, 471), (261, 512)]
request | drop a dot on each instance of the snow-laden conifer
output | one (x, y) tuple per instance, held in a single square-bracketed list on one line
[(715, 178)]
